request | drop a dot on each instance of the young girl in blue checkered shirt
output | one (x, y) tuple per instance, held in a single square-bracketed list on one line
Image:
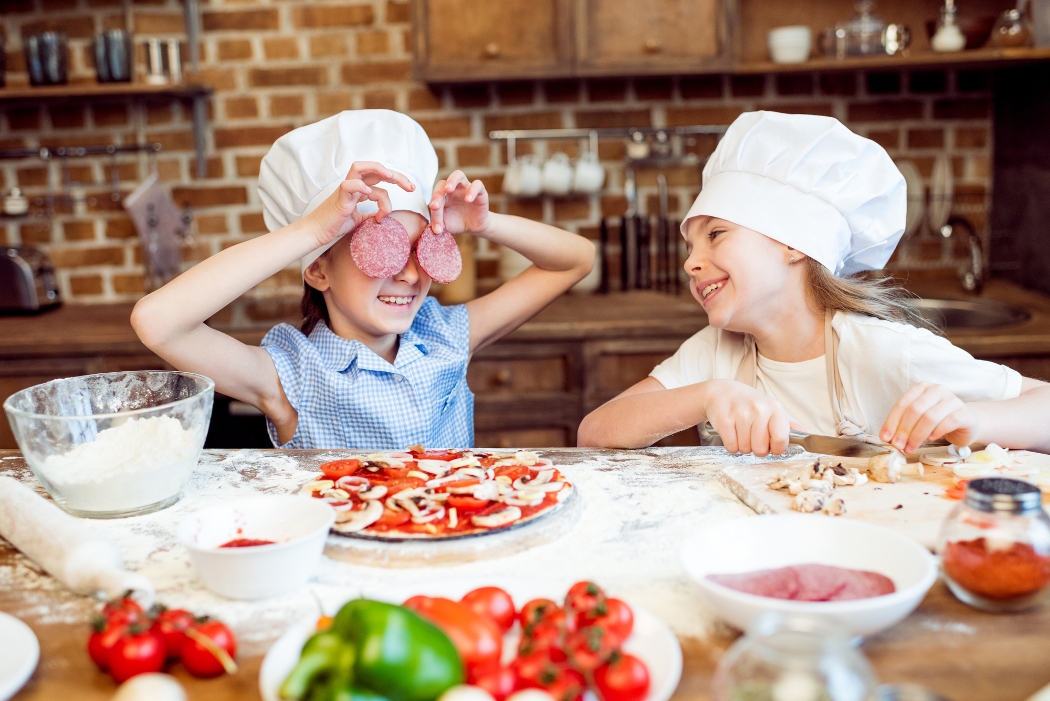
[(376, 363)]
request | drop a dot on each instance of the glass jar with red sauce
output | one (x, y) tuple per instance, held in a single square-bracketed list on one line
[(995, 546)]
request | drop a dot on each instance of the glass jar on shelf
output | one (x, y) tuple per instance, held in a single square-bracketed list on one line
[(995, 546), (793, 658)]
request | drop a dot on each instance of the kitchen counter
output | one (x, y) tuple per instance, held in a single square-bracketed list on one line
[(637, 508), (73, 330)]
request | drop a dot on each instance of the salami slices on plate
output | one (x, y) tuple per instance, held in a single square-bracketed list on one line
[(437, 494)]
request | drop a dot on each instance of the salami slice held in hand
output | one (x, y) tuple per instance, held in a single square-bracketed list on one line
[(439, 256), (380, 249)]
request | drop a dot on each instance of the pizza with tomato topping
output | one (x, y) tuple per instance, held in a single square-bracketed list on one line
[(438, 494)]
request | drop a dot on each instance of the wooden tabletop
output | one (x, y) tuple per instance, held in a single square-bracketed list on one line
[(960, 653)]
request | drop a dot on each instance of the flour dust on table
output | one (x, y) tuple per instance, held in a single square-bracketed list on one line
[(637, 508)]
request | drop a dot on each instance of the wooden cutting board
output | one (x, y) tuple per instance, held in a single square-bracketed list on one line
[(915, 506)]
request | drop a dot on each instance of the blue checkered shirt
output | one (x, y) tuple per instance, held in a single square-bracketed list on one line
[(349, 397)]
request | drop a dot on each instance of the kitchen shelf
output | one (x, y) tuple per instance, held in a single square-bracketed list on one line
[(197, 93), (88, 90), (974, 58)]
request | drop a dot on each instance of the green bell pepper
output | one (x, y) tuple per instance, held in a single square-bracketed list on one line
[(400, 656), (375, 651)]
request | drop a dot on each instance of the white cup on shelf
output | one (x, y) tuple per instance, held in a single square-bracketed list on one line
[(523, 178), (589, 175), (557, 175), (790, 44)]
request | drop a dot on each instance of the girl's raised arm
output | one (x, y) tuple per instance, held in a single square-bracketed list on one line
[(560, 258), (170, 321)]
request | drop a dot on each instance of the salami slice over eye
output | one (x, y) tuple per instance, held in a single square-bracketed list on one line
[(380, 249), (439, 256)]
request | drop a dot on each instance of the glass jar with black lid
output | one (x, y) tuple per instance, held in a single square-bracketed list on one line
[(995, 546)]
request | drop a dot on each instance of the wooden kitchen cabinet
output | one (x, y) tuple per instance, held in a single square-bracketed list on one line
[(462, 40), (656, 36), (468, 40)]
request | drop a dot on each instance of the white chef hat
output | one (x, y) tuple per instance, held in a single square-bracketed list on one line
[(305, 166), (810, 183)]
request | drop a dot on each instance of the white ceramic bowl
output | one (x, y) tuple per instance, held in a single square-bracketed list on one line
[(767, 542), (297, 525), (790, 44)]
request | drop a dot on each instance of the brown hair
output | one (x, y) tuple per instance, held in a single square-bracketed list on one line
[(881, 298), (313, 309)]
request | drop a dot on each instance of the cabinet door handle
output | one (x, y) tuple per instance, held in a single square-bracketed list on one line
[(652, 46), (504, 377), (493, 50)]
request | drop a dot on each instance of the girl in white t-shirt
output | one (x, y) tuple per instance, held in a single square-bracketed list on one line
[(792, 206)]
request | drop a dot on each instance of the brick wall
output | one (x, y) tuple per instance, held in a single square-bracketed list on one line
[(278, 65)]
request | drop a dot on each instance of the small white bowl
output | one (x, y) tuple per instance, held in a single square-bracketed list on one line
[(297, 525), (767, 542), (790, 44)]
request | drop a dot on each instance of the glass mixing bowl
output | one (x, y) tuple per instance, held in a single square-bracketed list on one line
[(116, 444)]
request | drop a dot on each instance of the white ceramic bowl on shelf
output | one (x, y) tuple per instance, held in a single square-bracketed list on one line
[(790, 44), (115, 444), (298, 527), (768, 542)]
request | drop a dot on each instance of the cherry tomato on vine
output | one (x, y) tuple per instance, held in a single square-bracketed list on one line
[(535, 610), (589, 648), (617, 621), (564, 683), (623, 678), (136, 652), (103, 637), (172, 625), (500, 683), (198, 659), (585, 600), (123, 610), (491, 601)]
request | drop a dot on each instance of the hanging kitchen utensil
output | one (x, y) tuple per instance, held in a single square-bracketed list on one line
[(916, 196), (160, 224), (603, 244), (942, 192), (628, 233), (644, 266), (663, 267)]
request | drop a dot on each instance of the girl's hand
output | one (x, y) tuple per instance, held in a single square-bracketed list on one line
[(928, 412), (747, 420), (338, 215), (459, 205)]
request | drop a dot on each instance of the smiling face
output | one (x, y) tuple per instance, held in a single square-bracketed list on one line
[(368, 309), (742, 278)]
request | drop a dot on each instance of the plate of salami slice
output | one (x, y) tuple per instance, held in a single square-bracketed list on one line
[(441, 495)]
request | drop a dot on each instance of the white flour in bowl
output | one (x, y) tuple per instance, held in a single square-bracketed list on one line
[(138, 463)]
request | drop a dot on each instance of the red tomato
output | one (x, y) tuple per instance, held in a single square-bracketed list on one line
[(466, 504), (199, 660), (340, 468), (623, 678), (535, 610), (102, 639), (530, 668), (122, 610), (478, 639), (589, 648), (500, 682), (397, 485), (564, 684), (172, 625), (136, 653), (512, 471), (491, 601), (617, 621), (391, 518), (547, 634), (396, 472), (584, 598)]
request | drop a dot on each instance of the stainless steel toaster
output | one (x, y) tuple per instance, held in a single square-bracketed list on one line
[(27, 280)]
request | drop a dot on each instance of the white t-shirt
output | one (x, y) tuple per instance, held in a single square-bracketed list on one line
[(878, 361)]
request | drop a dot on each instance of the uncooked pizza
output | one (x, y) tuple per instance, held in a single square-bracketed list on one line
[(438, 494)]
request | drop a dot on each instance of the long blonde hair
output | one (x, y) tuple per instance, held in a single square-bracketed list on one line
[(881, 298)]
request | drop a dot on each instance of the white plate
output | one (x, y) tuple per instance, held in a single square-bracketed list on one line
[(19, 653), (651, 640), (766, 542)]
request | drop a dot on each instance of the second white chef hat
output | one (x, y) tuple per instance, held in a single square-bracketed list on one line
[(810, 183), (306, 165)]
